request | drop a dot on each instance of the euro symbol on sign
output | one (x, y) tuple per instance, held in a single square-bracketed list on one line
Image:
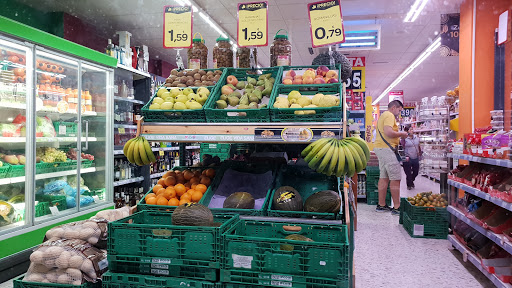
[(314, 6)]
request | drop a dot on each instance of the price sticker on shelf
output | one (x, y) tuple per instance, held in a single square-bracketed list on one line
[(252, 24), (326, 23), (55, 211), (161, 152), (177, 26), (121, 130)]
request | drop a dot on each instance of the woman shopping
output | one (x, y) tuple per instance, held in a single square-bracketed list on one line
[(412, 151)]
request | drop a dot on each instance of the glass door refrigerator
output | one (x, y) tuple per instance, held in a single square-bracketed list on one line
[(56, 134)]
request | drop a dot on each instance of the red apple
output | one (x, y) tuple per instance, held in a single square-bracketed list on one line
[(322, 70), (298, 77), (308, 80), (226, 90), (287, 81), (333, 80), (319, 76), (319, 81), (232, 80), (331, 74), (297, 81), (290, 73)]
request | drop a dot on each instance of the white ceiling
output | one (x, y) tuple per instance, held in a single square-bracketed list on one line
[(401, 42)]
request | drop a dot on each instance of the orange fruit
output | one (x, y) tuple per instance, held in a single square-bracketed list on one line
[(161, 181), (180, 189), (201, 188), (169, 193), (162, 201), (186, 196), (170, 181), (150, 195), (151, 201), (196, 196), (161, 190), (166, 174), (173, 202), (205, 180), (157, 186), (194, 180), (193, 186), (184, 201), (209, 172)]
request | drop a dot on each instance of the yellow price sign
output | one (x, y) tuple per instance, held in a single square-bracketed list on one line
[(252, 24), (326, 23), (161, 152), (121, 130), (177, 26)]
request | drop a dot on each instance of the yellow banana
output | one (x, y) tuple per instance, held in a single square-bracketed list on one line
[(129, 152), (360, 151), (313, 164), (331, 170), (149, 152), (127, 145), (142, 152), (326, 158), (355, 155), (136, 154), (340, 170), (310, 147)]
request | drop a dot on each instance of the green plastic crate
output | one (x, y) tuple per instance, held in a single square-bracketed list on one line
[(142, 206), (303, 68), (322, 114), (306, 182), (214, 115), (222, 155), (87, 163), (207, 148), (42, 208), (431, 228), (372, 171), (120, 280), (42, 167), (19, 283), (372, 197), (66, 129), (187, 115), (16, 171), (152, 239), (4, 170), (239, 166), (259, 280), (97, 192), (54, 200), (253, 252), (424, 213)]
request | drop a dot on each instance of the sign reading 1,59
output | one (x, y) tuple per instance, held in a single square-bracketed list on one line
[(177, 26), (252, 24), (326, 23)]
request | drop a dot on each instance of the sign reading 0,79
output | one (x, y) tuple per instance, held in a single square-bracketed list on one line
[(326, 23), (252, 27), (177, 26)]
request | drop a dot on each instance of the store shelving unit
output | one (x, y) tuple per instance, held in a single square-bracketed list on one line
[(128, 181), (490, 161), (481, 194)]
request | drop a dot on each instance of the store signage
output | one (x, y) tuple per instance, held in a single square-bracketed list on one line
[(356, 82), (407, 112), (396, 95), (504, 27), (177, 26), (450, 25), (252, 24), (293, 134), (326, 23)]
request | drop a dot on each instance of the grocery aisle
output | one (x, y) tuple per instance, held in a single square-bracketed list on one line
[(386, 256)]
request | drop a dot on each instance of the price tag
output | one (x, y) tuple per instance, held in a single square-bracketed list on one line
[(177, 26), (121, 130), (326, 23), (62, 130), (54, 210), (161, 152), (252, 24)]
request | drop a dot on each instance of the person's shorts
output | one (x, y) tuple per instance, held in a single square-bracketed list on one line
[(388, 164)]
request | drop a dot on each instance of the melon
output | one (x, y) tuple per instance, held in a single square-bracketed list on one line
[(239, 200), (297, 237), (192, 214), (326, 201), (286, 198)]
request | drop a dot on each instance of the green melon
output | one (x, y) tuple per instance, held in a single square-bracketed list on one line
[(286, 198), (326, 201), (297, 237), (192, 214), (239, 200)]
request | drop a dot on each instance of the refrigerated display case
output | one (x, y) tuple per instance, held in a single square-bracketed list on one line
[(56, 139)]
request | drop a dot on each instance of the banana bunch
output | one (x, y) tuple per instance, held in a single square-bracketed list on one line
[(138, 151), (331, 156)]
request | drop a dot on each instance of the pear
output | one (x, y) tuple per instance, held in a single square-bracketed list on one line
[(170, 99), (195, 105), (158, 100), (233, 101), (189, 103), (253, 105), (304, 101), (253, 98), (203, 90), (160, 92), (240, 85), (221, 104), (154, 106), (187, 91), (165, 95), (167, 105), (180, 106), (236, 93), (257, 93), (182, 98), (201, 98), (192, 96), (223, 97), (232, 86), (243, 106), (175, 92)]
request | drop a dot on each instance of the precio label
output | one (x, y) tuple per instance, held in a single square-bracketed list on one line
[(177, 26), (252, 24), (326, 23)]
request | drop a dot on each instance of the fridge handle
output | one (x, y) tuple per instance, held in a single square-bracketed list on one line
[(86, 135)]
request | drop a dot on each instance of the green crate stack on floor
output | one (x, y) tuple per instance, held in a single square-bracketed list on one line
[(424, 222), (372, 189)]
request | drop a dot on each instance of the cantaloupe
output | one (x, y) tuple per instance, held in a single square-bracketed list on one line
[(239, 200), (286, 198), (192, 214), (326, 201)]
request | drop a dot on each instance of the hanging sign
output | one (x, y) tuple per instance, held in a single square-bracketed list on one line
[(356, 82), (450, 26), (252, 24), (396, 95), (177, 26), (326, 23)]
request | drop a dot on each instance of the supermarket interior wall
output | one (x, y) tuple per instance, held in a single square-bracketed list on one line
[(48, 22), (77, 31)]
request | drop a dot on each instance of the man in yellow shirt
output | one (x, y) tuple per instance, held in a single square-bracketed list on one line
[(389, 166)]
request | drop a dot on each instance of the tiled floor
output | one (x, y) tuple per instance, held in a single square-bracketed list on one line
[(386, 256)]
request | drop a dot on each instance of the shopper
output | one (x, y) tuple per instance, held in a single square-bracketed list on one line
[(385, 148), (412, 151)]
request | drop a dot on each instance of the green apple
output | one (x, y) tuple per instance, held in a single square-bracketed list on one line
[(181, 98), (167, 106), (180, 106), (192, 96), (160, 92), (175, 92), (194, 105), (165, 95), (203, 90), (187, 91), (154, 106), (170, 99), (158, 100), (189, 102)]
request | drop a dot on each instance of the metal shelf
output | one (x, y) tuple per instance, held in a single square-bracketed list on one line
[(165, 149), (192, 147), (496, 238), (137, 75), (43, 110), (127, 126), (117, 98), (476, 261), (361, 196), (490, 161), (481, 194), (156, 175), (5, 181), (427, 130), (49, 139), (128, 181), (118, 152)]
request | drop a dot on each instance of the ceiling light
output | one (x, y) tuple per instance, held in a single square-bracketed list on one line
[(415, 11), (431, 48), (357, 44), (359, 37)]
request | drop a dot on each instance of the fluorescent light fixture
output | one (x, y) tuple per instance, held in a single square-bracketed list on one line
[(431, 48), (13, 45), (180, 2), (415, 11), (359, 37), (358, 44)]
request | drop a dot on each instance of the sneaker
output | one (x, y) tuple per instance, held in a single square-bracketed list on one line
[(409, 188), (395, 211), (384, 208)]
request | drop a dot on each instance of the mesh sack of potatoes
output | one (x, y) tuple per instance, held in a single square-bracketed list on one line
[(113, 215), (75, 254), (43, 274)]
